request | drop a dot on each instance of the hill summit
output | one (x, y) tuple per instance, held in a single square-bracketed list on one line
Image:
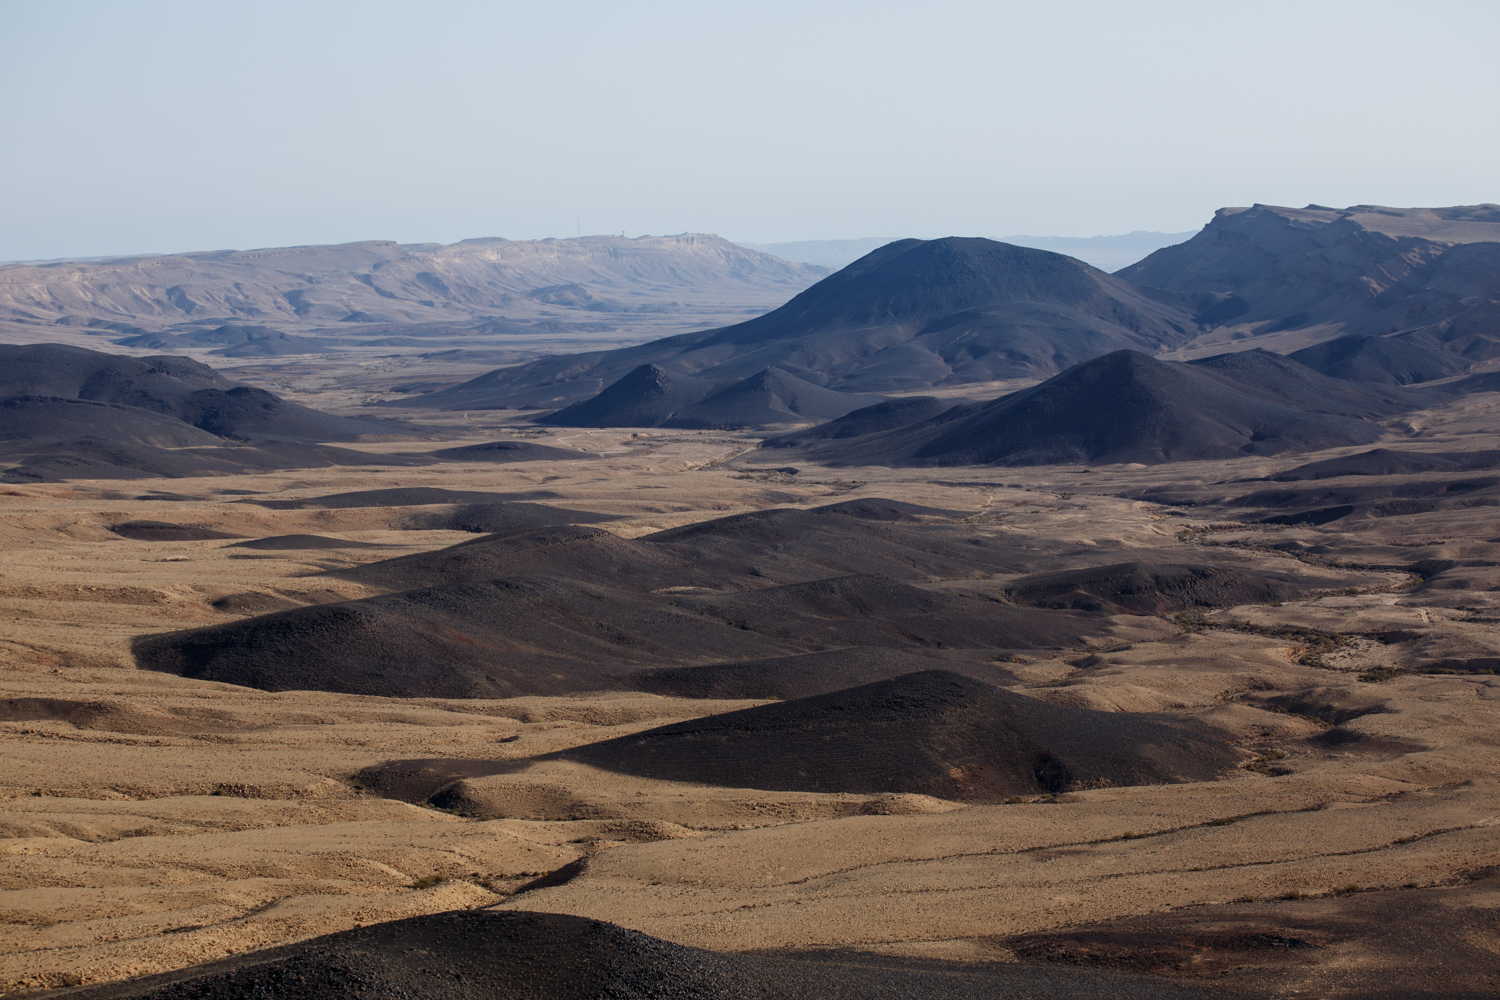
[(911, 314)]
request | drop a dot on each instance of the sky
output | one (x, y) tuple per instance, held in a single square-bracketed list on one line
[(156, 126)]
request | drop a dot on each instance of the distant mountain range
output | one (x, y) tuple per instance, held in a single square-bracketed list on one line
[(914, 313), (1107, 253), (1364, 307), (329, 294)]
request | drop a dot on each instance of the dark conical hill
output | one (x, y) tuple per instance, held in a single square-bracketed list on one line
[(913, 313), (933, 733), (175, 387), (886, 416), (765, 399), (1379, 359), (644, 397), (1128, 407)]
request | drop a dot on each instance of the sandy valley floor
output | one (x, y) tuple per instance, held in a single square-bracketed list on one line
[(152, 822)]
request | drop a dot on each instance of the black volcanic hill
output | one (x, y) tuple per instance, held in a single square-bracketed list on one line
[(652, 396), (1379, 359), (1430, 276), (886, 416), (913, 313), (522, 955), (36, 420), (765, 399), (40, 460), (173, 387), (933, 733), (554, 635), (1128, 407), (643, 397), (68, 413), (1385, 462), (560, 609)]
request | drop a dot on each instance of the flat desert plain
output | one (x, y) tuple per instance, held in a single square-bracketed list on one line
[(152, 822)]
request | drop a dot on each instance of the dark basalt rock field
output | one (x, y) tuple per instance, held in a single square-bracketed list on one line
[(566, 608), (520, 955), (932, 733), (572, 608)]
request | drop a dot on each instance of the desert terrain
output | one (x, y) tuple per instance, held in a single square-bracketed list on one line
[(974, 624), (156, 822)]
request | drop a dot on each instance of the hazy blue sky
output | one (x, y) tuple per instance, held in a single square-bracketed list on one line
[(158, 126)]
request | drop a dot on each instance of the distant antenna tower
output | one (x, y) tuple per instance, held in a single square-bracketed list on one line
[(580, 228)]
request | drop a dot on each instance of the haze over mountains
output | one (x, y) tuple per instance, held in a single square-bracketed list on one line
[(376, 293), (1107, 253)]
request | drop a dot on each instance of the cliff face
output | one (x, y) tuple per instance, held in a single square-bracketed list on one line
[(1428, 275)]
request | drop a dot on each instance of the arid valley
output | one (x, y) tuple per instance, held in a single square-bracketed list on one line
[(819, 716)]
